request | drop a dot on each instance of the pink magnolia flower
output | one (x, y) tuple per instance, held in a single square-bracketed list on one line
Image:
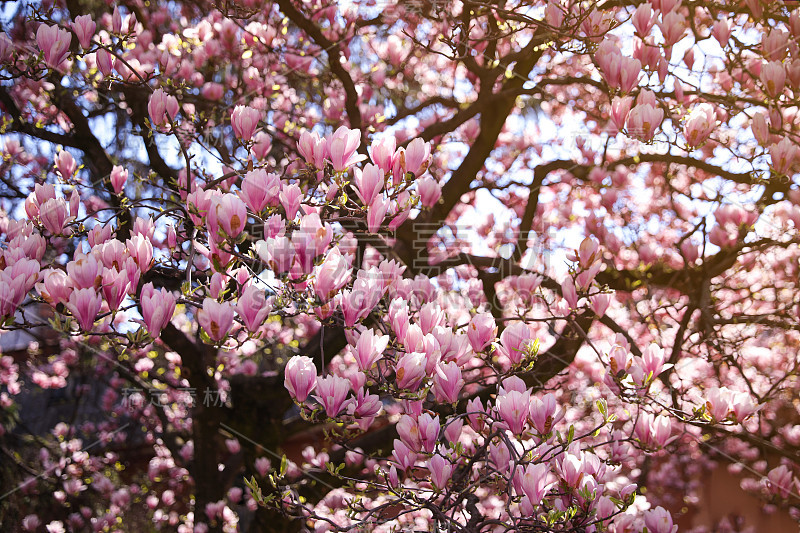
[(441, 470), (24, 269), (659, 520), (259, 189), (157, 308), (253, 307), (277, 253), (643, 19), (721, 31), (481, 331), (585, 278), (544, 413), (65, 164), (403, 455), (588, 252), (773, 76), (629, 71), (365, 405), (262, 466), (227, 213), (500, 456), (74, 203), (368, 182), (516, 342), (54, 42), (134, 273), (398, 317), (84, 271), (233, 446), (141, 250), (554, 14), (608, 59), (653, 432), (773, 45), (680, 95), (620, 107), (690, 251), (476, 414), (653, 359), (55, 287), (649, 366), (84, 304), (571, 469), (313, 148), (215, 509), (244, 120), (723, 238), (34, 246), (215, 318), (760, 128), (111, 253), (115, 287), (172, 237), (331, 275), (261, 145), (718, 403), (779, 481), (12, 292), (116, 20), (162, 107), (644, 120), (290, 199), (784, 155), (430, 317), (300, 377), (15, 284), (600, 302), (429, 191), (311, 240), (569, 292), (212, 91), (376, 213), (410, 370), (408, 431), (400, 210), (332, 392), (32, 204), (534, 481), (54, 215), (700, 124), (6, 47), (105, 62), (31, 523), (415, 157), (357, 303), (512, 383), (512, 407), (369, 349), (743, 406), (84, 27), (672, 25), (342, 148), (119, 176), (43, 192), (99, 234), (447, 382), (429, 429), (452, 432), (383, 153)]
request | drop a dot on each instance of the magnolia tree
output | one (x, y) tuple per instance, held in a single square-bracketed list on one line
[(415, 266)]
